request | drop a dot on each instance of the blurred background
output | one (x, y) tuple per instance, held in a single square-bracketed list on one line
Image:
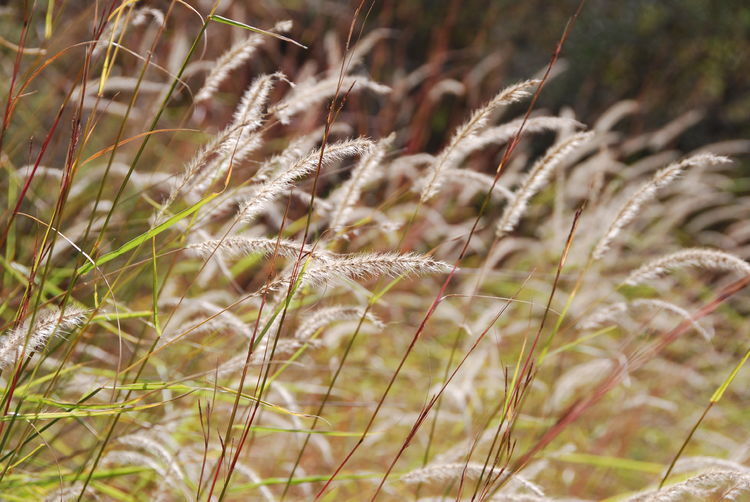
[(678, 59), (672, 56)]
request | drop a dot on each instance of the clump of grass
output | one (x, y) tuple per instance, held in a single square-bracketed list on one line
[(292, 305)]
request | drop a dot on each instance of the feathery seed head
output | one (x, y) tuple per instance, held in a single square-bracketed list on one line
[(632, 206), (237, 55), (537, 178), (24, 340), (275, 187), (707, 259), (453, 154)]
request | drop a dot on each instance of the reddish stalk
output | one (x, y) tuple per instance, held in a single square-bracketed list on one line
[(334, 109), (438, 298), (427, 408), (14, 75), (635, 361)]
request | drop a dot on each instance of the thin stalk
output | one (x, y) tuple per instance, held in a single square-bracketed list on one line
[(136, 159), (715, 398), (438, 298)]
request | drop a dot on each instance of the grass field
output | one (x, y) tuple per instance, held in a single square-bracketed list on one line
[(252, 258)]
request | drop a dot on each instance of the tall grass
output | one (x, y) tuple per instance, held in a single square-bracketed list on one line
[(224, 282)]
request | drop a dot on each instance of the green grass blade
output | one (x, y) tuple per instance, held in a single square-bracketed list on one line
[(133, 243), (238, 24), (728, 381), (607, 462)]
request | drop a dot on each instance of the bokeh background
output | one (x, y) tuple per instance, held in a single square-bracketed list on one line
[(671, 56)]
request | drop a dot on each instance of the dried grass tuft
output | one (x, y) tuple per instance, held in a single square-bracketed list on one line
[(26, 339), (631, 208)]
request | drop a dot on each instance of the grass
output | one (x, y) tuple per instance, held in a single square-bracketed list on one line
[(224, 282)]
